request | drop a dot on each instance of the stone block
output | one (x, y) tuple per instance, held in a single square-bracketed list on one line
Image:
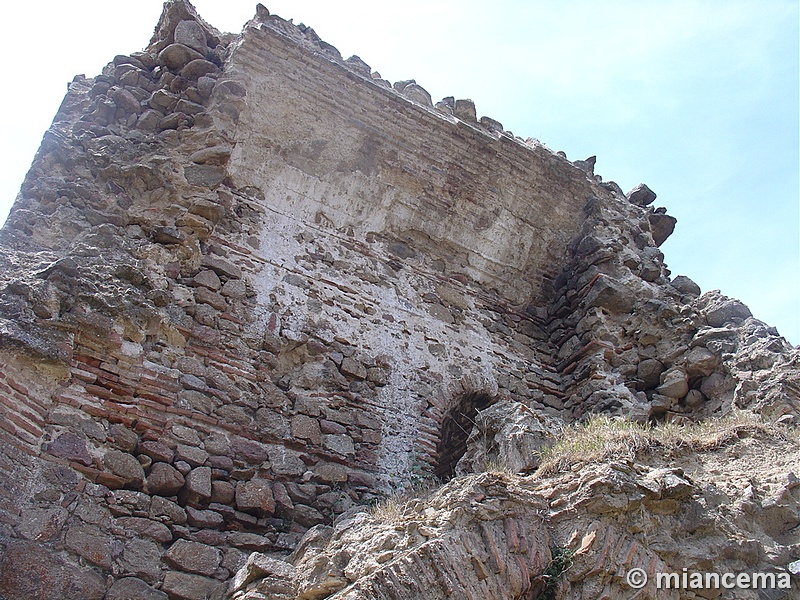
[(191, 34), (212, 211), (41, 524), (661, 226), (283, 503), (659, 404), (202, 175), (259, 566), (30, 570), (122, 438), (285, 461), (164, 510), (641, 195), (249, 450), (156, 450), (190, 109), (418, 94), (198, 68), (326, 426), (694, 399), (700, 361), (129, 502), (124, 466), (715, 385), (307, 516), (234, 288), (177, 56), (465, 110), (611, 295), (255, 497), (222, 492), (198, 484), (208, 278), (203, 518), (304, 493), (91, 543), (205, 86), (164, 480), (275, 424), (70, 446), (339, 444), (193, 557), (251, 542), (306, 428), (162, 101), (187, 586), (491, 124), (143, 528), (685, 285), (126, 102), (330, 473), (142, 559), (727, 311), (133, 588), (191, 454), (649, 372), (222, 266), (674, 383)]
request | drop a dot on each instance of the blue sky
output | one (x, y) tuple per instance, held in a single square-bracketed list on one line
[(698, 99)]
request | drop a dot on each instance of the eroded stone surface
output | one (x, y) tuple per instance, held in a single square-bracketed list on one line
[(494, 535)]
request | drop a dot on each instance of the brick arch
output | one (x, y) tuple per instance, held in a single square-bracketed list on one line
[(455, 420)]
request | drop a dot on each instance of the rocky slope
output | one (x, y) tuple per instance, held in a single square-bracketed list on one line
[(250, 289), (704, 503)]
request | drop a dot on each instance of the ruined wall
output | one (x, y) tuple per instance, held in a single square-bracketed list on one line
[(248, 286), (259, 279), (349, 157)]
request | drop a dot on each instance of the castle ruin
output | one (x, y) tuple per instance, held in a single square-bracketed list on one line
[(250, 288)]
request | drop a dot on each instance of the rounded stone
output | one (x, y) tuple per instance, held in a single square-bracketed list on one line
[(649, 371), (674, 383), (164, 480), (177, 56), (198, 68), (125, 466)]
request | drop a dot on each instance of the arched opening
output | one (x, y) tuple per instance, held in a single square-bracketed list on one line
[(455, 430)]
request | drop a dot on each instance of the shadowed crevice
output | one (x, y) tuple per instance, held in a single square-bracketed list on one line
[(454, 431)]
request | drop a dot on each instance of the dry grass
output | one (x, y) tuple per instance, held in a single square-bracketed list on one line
[(604, 438), (395, 509), (497, 467)]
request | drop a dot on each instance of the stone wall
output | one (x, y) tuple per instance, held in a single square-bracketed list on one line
[(249, 286)]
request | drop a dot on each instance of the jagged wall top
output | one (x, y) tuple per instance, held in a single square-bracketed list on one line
[(173, 13), (450, 108)]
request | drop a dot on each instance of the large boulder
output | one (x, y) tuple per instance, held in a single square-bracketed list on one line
[(508, 435)]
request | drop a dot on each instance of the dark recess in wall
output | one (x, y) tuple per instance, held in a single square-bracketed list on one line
[(454, 431)]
